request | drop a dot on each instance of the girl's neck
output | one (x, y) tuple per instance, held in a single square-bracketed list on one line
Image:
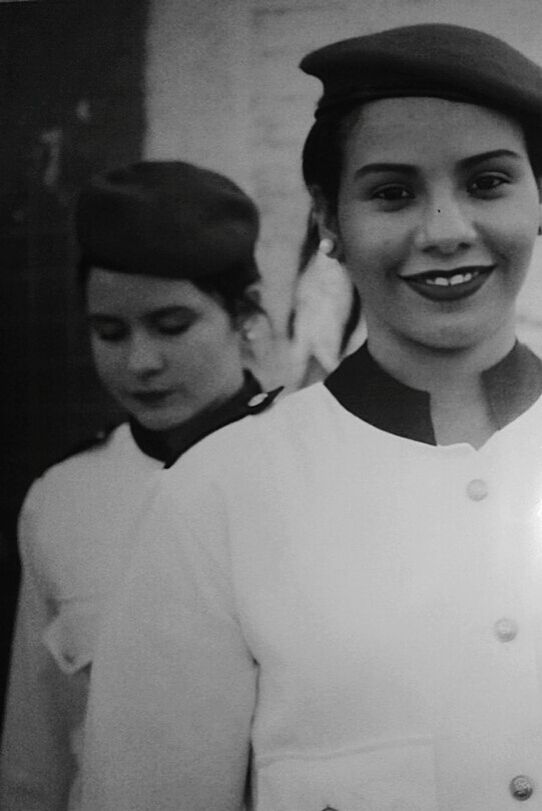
[(459, 408), (438, 371)]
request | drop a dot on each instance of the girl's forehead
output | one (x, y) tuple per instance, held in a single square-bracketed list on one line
[(108, 289), (422, 126)]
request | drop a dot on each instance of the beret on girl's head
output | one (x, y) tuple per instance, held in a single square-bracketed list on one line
[(433, 59), (169, 219)]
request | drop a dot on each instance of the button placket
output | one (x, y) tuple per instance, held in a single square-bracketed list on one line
[(505, 628)]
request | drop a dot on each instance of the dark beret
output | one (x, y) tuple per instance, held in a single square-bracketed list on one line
[(433, 59), (169, 219)]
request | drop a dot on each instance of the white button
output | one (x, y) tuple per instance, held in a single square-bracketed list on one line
[(506, 629), (257, 400), (521, 787), (477, 490)]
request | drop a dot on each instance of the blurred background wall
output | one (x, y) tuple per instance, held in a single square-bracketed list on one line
[(87, 84)]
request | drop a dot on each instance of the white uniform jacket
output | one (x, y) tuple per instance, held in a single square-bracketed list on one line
[(363, 609), (76, 531)]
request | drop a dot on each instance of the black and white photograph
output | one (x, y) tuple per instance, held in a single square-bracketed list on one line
[(271, 353)]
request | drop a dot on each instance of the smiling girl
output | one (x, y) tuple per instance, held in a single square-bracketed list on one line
[(357, 620), (436, 219)]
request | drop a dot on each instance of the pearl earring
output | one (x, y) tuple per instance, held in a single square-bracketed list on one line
[(248, 333), (327, 246)]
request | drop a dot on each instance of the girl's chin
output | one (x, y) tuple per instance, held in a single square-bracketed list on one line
[(160, 422), (460, 339), (480, 326), (455, 335)]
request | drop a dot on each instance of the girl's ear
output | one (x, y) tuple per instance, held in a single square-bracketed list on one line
[(330, 240), (253, 325)]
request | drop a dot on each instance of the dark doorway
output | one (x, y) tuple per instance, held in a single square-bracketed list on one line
[(71, 96)]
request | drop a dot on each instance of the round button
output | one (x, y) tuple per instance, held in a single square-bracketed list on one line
[(257, 400), (521, 787), (506, 629), (477, 490)]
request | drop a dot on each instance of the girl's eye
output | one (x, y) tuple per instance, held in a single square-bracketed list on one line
[(392, 192), (109, 332), (172, 326), (487, 183), (390, 197)]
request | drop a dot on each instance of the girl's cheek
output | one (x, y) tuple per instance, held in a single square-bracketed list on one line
[(515, 241)]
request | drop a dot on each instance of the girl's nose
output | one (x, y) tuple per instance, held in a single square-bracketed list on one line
[(144, 355), (445, 228)]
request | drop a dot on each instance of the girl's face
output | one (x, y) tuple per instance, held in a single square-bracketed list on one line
[(437, 215), (164, 350)]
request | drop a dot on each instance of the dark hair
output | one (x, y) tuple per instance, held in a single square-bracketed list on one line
[(323, 151), (237, 291), (309, 245), (533, 142)]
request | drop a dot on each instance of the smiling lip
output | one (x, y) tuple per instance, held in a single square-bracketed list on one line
[(449, 285)]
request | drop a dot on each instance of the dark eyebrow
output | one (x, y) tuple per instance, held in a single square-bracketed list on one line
[(473, 160), (172, 309), (371, 168), (159, 312), (409, 169)]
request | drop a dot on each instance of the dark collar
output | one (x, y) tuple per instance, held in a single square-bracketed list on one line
[(167, 446), (366, 390)]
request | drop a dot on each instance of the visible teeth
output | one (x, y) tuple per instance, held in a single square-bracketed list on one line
[(444, 281), (461, 278)]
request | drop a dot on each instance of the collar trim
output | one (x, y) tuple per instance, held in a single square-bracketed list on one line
[(167, 446), (367, 391)]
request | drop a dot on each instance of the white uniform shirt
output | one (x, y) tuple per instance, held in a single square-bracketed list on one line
[(76, 532), (365, 609)]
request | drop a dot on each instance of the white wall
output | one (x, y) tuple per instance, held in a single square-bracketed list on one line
[(198, 83)]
